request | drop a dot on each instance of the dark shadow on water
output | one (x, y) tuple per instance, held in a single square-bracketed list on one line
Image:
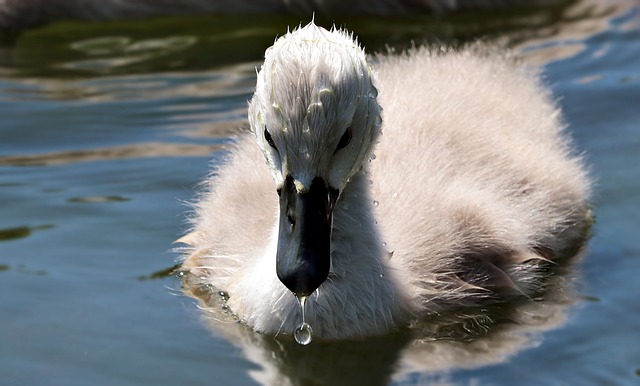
[(23, 269), (21, 232), (161, 274)]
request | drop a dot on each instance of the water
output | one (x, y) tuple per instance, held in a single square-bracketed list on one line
[(303, 333), (106, 128)]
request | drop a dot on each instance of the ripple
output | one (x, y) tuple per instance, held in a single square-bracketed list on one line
[(122, 51), (102, 65), (98, 199), (21, 232), (142, 150), (170, 44), (101, 46)]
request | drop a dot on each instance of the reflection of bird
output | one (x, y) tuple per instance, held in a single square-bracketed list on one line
[(467, 196), (20, 14)]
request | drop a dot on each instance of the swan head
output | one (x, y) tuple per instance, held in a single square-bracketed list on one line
[(316, 118)]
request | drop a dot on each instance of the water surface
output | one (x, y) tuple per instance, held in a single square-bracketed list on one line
[(106, 129)]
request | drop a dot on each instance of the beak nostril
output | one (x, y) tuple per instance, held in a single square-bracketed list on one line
[(291, 217)]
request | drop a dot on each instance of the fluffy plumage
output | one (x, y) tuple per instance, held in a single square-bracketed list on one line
[(470, 192)]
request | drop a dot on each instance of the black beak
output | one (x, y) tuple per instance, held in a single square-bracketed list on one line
[(304, 240)]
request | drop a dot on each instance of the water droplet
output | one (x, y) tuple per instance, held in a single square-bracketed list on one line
[(207, 287), (376, 203), (377, 121), (370, 182), (180, 274), (382, 275), (304, 333), (384, 244), (224, 295), (372, 157)]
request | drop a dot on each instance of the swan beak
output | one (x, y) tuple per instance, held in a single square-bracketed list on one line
[(304, 240)]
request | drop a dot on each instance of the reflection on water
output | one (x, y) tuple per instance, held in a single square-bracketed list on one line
[(423, 354), (105, 128), (554, 31), (121, 51)]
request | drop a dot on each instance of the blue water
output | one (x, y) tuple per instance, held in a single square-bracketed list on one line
[(105, 129)]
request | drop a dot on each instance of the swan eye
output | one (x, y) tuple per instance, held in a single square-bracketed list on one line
[(267, 137), (345, 140)]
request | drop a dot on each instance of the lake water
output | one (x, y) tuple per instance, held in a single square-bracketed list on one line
[(105, 129)]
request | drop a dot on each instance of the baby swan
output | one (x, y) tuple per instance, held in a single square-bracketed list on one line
[(470, 194)]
